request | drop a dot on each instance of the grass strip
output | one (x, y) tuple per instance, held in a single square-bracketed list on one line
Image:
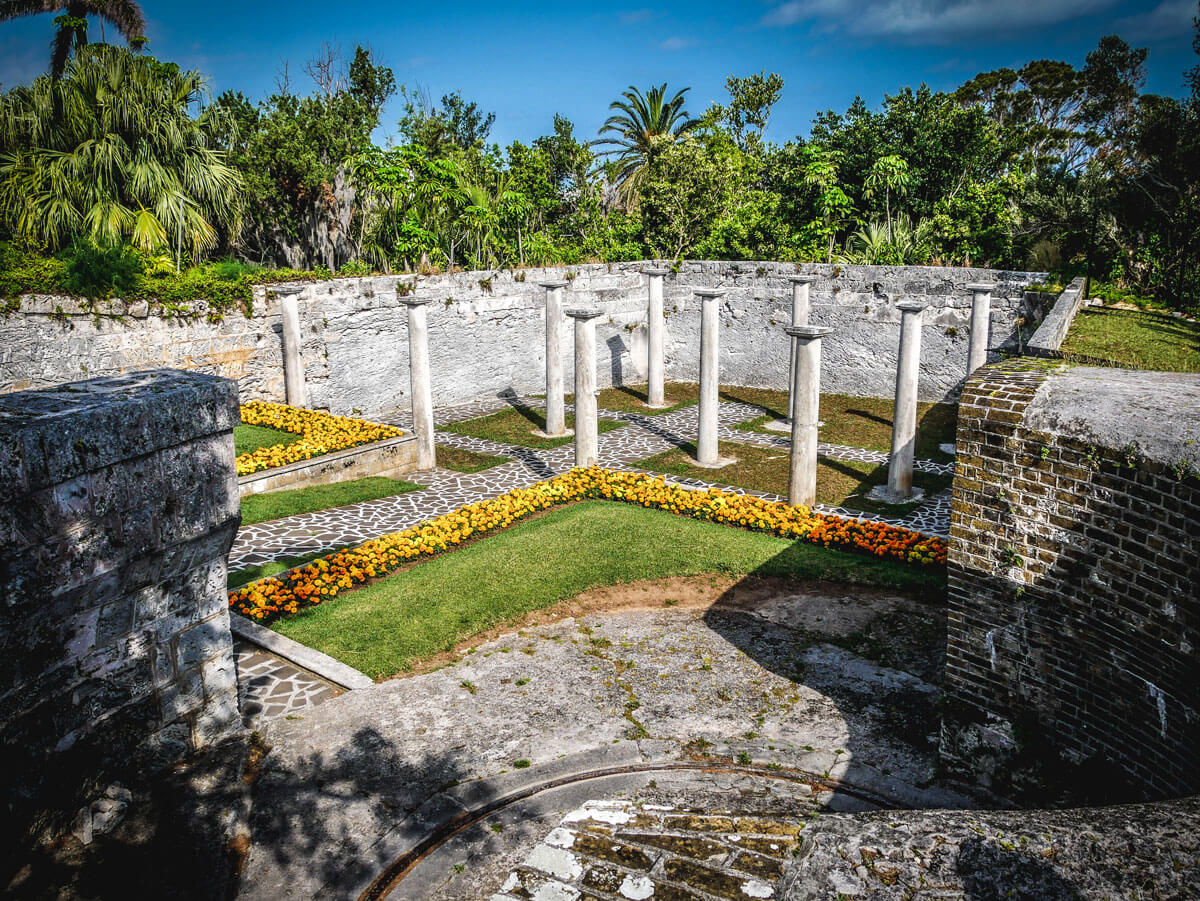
[(1140, 339), (516, 425), (459, 459), (249, 438), (277, 504)]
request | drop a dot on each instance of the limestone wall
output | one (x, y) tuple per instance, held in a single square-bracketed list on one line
[(487, 332), (118, 504), (1074, 563)]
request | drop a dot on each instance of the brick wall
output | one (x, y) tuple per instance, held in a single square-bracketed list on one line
[(1074, 563), (118, 504)]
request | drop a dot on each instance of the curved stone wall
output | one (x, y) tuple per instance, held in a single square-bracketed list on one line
[(486, 332)]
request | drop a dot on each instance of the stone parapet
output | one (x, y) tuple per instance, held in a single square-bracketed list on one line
[(119, 505)]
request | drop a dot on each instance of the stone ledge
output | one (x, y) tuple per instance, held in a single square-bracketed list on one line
[(305, 657), (1053, 331), (390, 457)]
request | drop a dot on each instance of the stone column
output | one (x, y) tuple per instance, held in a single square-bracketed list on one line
[(800, 309), (293, 365), (655, 365), (422, 389), (899, 488), (556, 420), (707, 451), (587, 433), (981, 313), (806, 408)]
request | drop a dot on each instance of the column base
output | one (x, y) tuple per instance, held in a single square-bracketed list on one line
[(719, 463), (661, 406), (566, 433), (885, 495)]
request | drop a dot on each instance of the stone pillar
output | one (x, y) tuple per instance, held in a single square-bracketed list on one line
[(981, 313), (556, 419), (806, 408), (655, 365), (707, 449), (800, 309), (293, 365), (899, 488), (587, 432), (422, 388)]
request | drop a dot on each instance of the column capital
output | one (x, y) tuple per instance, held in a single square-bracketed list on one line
[(654, 270), (807, 332), (284, 290), (710, 292), (802, 279), (981, 288), (551, 285), (584, 313), (416, 301), (911, 306)]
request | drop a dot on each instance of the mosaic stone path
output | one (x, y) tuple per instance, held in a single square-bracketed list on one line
[(619, 850), (445, 491), (269, 687)]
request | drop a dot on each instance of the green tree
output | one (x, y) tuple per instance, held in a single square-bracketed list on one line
[(112, 153), (751, 100), (889, 174), (71, 25), (296, 154), (685, 190), (457, 125), (642, 123)]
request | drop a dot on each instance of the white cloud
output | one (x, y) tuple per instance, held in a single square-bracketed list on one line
[(929, 21), (1168, 20), (677, 43)]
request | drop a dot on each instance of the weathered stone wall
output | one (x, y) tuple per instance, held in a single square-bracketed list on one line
[(487, 332), (118, 504), (1074, 564)]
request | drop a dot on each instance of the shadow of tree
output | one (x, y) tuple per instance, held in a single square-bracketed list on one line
[(992, 873)]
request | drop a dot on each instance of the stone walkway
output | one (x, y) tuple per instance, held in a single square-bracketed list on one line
[(702, 735), (270, 687)]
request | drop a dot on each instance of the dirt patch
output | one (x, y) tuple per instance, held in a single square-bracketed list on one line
[(824, 610)]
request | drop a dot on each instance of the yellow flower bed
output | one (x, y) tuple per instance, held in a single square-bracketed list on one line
[(326, 578), (323, 433)]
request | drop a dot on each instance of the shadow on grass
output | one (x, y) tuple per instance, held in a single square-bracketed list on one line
[(536, 417)]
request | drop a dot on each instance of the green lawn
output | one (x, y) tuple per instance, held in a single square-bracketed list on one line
[(840, 482), (459, 460), (1140, 339), (632, 398), (250, 574), (866, 422), (249, 438), (388, 626), (516, 425), (278, 504)]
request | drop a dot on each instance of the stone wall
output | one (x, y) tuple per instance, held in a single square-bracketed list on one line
[(487, 332), (118, 504), (1074, 563)]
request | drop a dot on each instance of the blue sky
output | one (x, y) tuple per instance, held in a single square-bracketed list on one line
[(527, 61)]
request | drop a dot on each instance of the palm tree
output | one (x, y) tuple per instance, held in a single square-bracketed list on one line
[(642, 123), (112, 153), (124, 15)]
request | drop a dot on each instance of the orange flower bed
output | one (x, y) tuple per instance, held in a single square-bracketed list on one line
[(324, 579), (323, 433)]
